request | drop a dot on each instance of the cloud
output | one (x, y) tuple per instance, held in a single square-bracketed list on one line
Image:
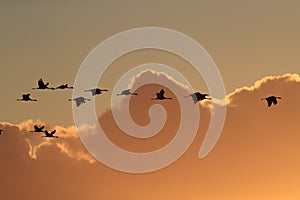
[(68, 142), (265, 86), (257, 151), (145, 117), (149, 75)]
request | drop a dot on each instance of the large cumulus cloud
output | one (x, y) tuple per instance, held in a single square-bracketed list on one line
[(256, 157)]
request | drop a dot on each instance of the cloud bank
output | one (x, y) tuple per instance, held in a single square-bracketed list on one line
[(257, 156)]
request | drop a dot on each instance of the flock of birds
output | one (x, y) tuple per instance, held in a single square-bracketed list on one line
[(40, 130), (26, 97), (196, 97)]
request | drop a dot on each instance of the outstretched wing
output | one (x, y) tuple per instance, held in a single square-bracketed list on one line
[(162, 92), (94, 91), (269, 103), (97, 91), (194, 96), (126, 92), (60, 87), (52, 133), (26, 96), (36, 128), (42, 127), (78, 102), (46, 133), (41, 83)]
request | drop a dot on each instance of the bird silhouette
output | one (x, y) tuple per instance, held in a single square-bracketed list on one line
[(271, 100), (1, 131), (127, 92), (197, 96), (80, 100), (64, 86), (42, 85), (96, 91), (26, 97), (38, 129), (160, 95), (50, 135)]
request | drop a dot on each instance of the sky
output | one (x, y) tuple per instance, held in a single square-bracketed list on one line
[(255, 46)]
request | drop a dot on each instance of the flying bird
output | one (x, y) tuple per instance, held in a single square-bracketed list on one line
[(197, 96), (160, 95), (96, 91), (80, 100), (50, 135), (127, 92), (1, 131), (64, 86), (38, 129), (26, 97), (42, 85), (271, 100)]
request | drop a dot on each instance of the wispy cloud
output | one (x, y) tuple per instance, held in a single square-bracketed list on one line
[(68, 141)]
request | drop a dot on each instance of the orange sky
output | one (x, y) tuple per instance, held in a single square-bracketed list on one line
[(255, 46)]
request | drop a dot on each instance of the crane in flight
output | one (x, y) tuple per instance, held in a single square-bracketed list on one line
[(38, 129), (64, 86), (96, 91), (161, 95), (51, 134), (42, 85), (271, 100), (80, 100), (197, 96), (127, 92), (26, 97)]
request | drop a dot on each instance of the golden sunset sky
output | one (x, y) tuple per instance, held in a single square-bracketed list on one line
[(255, 46)]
